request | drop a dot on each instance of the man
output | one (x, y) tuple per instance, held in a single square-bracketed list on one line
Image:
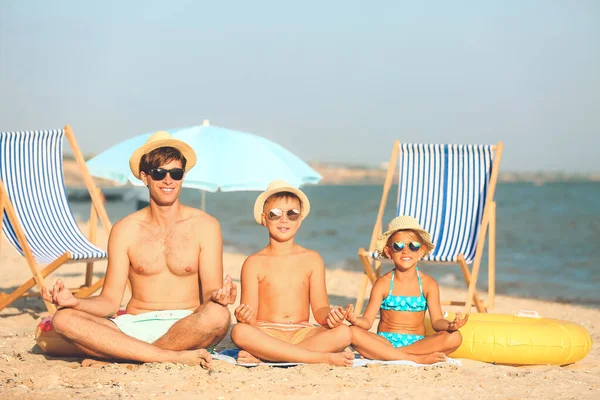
[(172, 255)]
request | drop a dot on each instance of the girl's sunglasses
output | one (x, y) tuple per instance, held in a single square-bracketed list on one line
[(158, 174), (397, 247), (292, 215)]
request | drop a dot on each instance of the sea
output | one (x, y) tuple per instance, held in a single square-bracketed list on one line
[(547, 235)]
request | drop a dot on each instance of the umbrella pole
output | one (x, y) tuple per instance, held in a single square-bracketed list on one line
[(203, 200)]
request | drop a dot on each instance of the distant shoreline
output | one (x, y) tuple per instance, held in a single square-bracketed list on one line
[(340, 174), (353, 174)]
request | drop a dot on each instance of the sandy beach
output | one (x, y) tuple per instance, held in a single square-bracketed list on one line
[(26, 373)]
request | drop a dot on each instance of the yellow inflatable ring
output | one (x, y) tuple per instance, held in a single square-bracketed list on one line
[(521, 339)]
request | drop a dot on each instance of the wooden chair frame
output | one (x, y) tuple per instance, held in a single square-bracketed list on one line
[(97, 210), (372, 267)]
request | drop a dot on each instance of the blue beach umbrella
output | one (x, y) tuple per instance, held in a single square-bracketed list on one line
[(113, 163), (228, 160)]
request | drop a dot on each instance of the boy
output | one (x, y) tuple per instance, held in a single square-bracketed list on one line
[(279, 283)]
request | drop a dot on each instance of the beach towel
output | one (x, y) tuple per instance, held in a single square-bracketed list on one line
[(230, 356)]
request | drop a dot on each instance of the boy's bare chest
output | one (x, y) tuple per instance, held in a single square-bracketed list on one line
[(155, 251), (278, 279)]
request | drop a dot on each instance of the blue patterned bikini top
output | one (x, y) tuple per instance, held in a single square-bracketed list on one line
[(405, 303)]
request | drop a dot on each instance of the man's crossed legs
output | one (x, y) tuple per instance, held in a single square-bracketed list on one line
[(185, 341)]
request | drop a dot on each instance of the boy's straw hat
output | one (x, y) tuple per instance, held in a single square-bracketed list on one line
[(161, 139), (401, 223), (279, 186)]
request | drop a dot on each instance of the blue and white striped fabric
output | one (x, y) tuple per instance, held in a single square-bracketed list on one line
[(31, 169), (444, 187)]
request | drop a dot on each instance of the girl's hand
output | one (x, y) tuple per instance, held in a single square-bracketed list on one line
[(349, 314), (458, 322)]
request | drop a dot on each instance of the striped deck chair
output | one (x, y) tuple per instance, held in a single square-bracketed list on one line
[(34, 213), (449, 189)]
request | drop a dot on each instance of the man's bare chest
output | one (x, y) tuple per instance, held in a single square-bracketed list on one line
[(176, 251)]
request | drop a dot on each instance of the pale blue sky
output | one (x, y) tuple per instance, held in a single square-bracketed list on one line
[(332, 81)]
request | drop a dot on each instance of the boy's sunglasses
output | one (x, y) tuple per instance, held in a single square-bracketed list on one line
[(397, 247), (158, 174), (275, 214)]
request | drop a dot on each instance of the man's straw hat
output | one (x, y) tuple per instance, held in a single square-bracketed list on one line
[(401, 223), (279, 186), (161, 139)]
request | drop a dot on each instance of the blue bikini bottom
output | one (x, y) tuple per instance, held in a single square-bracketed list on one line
[(400, 339)]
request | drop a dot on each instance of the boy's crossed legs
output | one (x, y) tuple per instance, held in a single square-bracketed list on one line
[(321, 345)]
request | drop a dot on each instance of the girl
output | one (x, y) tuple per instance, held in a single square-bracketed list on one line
[(402, 296)]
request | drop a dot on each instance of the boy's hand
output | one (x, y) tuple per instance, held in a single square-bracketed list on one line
[(243, 313), (335, 317), (61, 296), (227, 294), (458, 322), (349, 314)]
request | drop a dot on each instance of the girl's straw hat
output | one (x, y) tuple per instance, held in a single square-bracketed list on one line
[(161, 139), (398, 224), (279, 186)]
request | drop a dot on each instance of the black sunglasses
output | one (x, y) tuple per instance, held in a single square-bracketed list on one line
[(158, 174)]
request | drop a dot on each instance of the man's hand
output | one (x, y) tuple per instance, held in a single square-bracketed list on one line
[(335, 317), (227, 294), (61, 296), (349, 314), (243, 313), (458, 322)]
